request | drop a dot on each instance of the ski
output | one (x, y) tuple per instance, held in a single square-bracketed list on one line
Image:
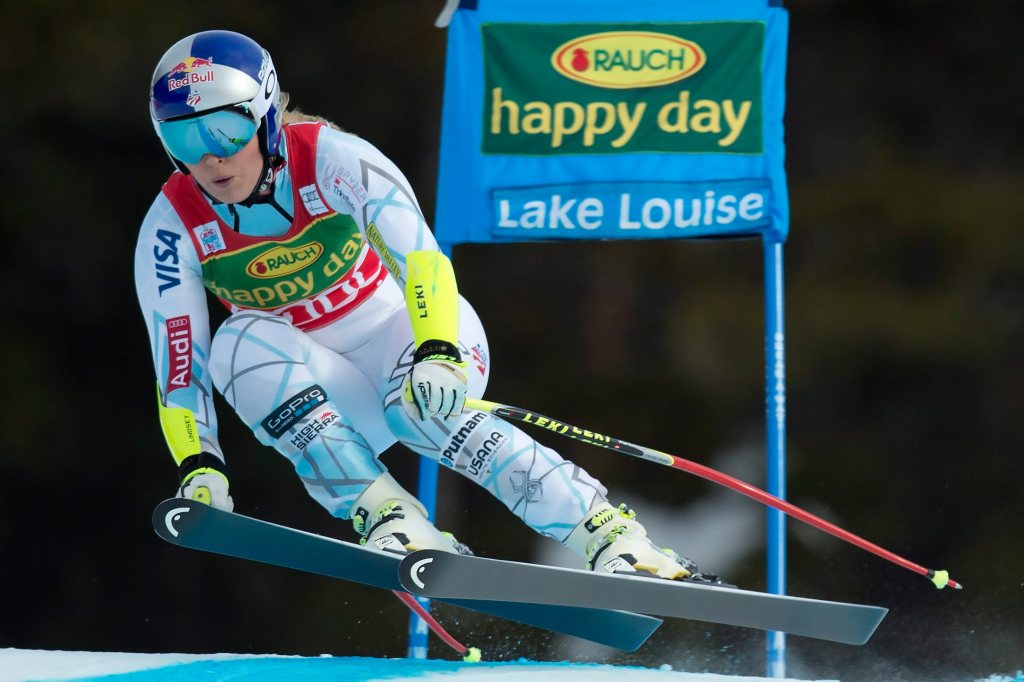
[(435, 574), (195, 525)]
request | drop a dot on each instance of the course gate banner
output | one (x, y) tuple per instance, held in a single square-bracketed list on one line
[(601, 119)]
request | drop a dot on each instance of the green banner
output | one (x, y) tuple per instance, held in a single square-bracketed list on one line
[(616, 88)]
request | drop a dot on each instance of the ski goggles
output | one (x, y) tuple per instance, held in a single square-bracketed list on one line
[(222, 132)]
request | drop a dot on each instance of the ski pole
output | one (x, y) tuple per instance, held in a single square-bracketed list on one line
[(940, 579), (469, 654)]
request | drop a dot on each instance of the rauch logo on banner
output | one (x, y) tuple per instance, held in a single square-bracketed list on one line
[(609, 88), (628, 59)]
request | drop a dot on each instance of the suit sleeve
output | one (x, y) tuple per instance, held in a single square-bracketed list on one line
[(168, 282), (357, 179)]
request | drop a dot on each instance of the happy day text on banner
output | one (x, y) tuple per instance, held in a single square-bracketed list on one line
[(588, 120)]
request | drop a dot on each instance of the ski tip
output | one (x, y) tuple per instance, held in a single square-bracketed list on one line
[(473, 655)]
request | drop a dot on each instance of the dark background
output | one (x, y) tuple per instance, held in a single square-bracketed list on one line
[(905, 274)]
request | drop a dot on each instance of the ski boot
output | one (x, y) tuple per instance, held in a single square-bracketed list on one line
[(390, 519), (613, 541)]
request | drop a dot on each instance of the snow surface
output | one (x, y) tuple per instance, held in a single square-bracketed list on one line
[(23, 665)]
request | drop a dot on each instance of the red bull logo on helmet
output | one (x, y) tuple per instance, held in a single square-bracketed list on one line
[(193, 70)]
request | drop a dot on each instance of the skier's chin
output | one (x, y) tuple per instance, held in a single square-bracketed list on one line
[(229, 190)]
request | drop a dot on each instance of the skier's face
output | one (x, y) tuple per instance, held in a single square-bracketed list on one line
[(229, 179)]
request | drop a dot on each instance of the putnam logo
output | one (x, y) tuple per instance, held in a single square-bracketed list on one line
[(284, 260), (628, 59)]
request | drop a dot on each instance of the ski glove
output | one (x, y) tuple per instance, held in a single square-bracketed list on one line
[(436, 384), (204, 478)]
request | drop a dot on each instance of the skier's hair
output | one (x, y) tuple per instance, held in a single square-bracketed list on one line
[(296, 116)]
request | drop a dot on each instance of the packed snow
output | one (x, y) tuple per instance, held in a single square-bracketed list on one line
[(22, 665)]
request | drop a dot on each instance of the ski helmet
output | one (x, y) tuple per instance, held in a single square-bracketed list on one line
[(211, 93)]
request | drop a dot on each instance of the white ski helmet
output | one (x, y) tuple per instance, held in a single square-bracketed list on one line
[(211, 93)]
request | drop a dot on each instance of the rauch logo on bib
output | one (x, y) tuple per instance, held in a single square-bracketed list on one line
[(284, 260)]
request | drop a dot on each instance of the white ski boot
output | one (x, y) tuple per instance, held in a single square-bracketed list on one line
[(389, 518), (613, 541)]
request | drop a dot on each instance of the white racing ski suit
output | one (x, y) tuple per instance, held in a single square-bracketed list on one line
[(320, 337)]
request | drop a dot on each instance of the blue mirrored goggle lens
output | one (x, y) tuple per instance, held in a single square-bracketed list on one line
[(221, 133)]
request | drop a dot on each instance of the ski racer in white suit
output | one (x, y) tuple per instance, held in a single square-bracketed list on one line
[(346, 332)]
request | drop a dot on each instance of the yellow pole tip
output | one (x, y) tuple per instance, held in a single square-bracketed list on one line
[(472, 655), (940, 579)]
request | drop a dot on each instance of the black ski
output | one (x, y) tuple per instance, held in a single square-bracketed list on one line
[(441, 575), (191, 524)]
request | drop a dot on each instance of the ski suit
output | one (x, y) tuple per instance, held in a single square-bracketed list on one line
[(319, 337)]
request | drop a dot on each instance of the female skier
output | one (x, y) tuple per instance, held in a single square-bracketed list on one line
[(346, 332)]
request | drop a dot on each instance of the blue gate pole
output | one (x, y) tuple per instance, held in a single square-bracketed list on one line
[(426, 491), (775, 408)]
